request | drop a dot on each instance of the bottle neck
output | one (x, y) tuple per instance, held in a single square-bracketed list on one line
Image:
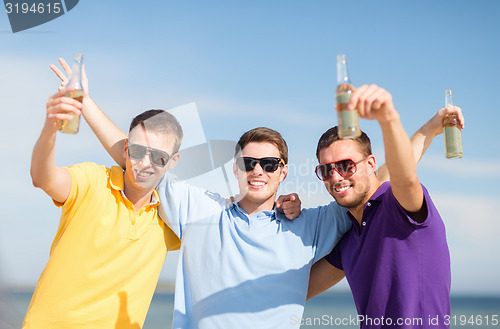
[(342, 74), (448, 98), (75, 81)]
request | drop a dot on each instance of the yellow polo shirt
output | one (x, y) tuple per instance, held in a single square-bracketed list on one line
[(105, 259)]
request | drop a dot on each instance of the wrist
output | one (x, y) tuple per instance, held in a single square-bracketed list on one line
[(389, 119), (431, 128), (50, 129)]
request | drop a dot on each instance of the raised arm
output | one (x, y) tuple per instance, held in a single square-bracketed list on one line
[(54, 180), (424, 136), (376, 103), (110, 136), (421, 140)]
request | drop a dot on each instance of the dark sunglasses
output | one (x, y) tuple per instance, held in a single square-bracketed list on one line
[(345, 168), (267, 164), (158, 157)]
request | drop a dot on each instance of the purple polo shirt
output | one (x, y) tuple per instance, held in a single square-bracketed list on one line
[(398, 269)]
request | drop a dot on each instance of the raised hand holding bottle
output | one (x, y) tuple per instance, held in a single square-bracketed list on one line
[(348, 119), (451, 131), (75, 91)]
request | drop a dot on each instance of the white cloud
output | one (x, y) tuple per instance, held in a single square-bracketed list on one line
[(239, 111), (470, 217), (465, 167)]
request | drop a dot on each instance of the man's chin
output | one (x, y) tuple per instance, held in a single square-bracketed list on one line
[(346, 203), (257, 197), (146, 183)]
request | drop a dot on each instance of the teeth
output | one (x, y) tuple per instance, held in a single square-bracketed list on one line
[(342, 188), (144, 174), (257, 183)]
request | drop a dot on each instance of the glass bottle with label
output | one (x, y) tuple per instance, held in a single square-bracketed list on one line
[(348, 119), (451, 131), (75, 91)]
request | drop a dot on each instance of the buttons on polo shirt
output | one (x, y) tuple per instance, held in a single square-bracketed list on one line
[(369, 204), (363, 223)]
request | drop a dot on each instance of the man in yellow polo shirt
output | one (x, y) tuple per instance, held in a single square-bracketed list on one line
[(111, 244)]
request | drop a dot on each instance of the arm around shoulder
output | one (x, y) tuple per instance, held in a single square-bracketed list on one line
[(323, 276)]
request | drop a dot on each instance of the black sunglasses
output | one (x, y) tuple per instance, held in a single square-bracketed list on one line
[(158, 157), (267, 164), (345, 168)]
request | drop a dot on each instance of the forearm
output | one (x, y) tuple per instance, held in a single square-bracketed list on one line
[(323, 276), (398, 151), (401, 166), (110, 136), (420, 141)]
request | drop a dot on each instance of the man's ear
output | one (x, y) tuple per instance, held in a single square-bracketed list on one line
[(284, 172), (125, 148), (235, 170), (372, 163), (173, 161)]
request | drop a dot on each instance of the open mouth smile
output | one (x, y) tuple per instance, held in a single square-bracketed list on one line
[(256, 184)]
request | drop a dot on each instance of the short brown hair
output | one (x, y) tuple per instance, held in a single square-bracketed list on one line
[(331, 136), (160, 121), (263, 135)]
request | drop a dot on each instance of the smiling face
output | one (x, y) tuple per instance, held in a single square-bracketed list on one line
[(353, 191), (257, 187), (142, 173)]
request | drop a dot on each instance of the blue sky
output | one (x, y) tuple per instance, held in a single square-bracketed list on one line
[(249, 64)]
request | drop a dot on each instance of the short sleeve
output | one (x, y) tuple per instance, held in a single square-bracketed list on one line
[(181, 203), (83, 176), (334, 257), (400, 213), (332, 223)]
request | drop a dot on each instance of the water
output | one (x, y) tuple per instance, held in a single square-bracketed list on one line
[(324, 311)]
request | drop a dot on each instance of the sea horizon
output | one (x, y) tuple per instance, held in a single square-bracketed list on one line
[(332, 308)]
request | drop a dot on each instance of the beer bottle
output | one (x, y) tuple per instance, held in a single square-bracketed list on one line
[(451, 131), (348, 119), (74, 90)]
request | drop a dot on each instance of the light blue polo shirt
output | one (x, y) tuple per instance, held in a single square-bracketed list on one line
[(242, 271)]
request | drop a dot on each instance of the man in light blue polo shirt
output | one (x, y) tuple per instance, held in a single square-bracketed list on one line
[(245, 265)]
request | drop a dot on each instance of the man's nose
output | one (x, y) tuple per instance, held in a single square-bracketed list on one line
[(257, 170), (147, 159), (335, 176)]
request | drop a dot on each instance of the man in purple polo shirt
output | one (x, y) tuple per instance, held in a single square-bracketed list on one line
[(395, 257)]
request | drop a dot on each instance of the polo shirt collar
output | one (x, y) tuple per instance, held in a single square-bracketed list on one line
[(379, 193), (376, 197), (261, 215), (116, 181)]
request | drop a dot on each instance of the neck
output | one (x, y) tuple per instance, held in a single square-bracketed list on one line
[(251, 207), (139, 198), (357, 211)]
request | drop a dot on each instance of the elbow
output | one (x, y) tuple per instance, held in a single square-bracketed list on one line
[(36, 180), (413, 180), (36, 183), (311, 293)]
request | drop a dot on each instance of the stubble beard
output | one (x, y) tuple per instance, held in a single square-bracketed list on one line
[(360, 191)]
